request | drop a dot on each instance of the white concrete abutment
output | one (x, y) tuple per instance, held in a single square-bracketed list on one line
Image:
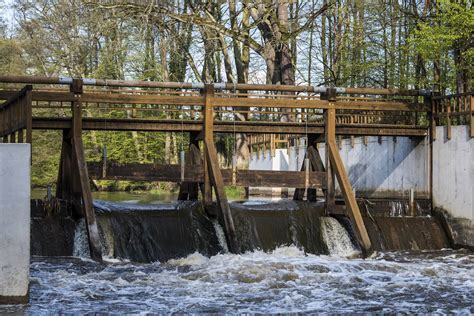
[(389, 167), (14, 222)]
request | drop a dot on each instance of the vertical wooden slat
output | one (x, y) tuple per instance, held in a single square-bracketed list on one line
[(471, 116), (448, 118), (29, 115), (20, 136), (433, 115)]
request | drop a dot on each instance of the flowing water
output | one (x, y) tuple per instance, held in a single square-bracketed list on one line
[(287, 279)]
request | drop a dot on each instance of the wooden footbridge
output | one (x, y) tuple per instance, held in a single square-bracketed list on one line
[(201, 110)]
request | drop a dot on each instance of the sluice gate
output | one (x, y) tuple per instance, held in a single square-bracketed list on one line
[(322, 115)]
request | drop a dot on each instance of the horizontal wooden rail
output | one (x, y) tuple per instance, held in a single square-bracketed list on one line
[(267, 102), (188, 85), (147, 125), (172, 173)]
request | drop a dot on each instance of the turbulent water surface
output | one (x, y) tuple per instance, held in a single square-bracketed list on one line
[(287, 280)]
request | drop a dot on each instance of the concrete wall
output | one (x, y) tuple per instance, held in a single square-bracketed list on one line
[(386, 168), (453, 181), (14, 222)]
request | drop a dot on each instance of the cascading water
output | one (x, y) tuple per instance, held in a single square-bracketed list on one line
[(220, 236), (81, 245), (337, 238)]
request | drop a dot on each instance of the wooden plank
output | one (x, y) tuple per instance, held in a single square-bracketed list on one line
[(285, 179), (195, 173), (82, 176), (145, 172), (349, 198)]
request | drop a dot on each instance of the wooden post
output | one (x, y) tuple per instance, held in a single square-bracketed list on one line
[(64, 181), (471, 116), (212, 171), (13, 137), (28, 114), (330, 137), (82, 172), (222, 203), (208, 138), (429, 101), (349, 197), (448, 119), (315, 164)]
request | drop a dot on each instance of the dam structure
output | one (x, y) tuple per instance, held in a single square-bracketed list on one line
[(361, 169)]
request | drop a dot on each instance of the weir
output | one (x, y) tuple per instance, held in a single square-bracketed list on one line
[(323, 184)]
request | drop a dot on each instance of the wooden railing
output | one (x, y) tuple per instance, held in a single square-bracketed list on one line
[(16, 116), (454, 109)]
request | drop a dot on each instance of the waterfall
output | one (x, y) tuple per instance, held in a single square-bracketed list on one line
[(336, 238), (220, 236), (81, 244)]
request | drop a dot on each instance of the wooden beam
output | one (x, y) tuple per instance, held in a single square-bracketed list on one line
[(194, 173), (101, 124), (349, 198), (223, 204), (83, 177), (330, 133), (208, 139)]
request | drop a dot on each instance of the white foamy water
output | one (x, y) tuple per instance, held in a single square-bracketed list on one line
[(81, 243), (220, 236), (286, 280), (336, 238)]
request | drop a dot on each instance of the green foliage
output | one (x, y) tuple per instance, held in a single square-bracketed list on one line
[(451, 27)]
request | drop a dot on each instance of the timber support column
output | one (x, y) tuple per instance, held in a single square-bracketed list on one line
[(208, 136), (330, 136), (80, 165), (212, 172), (335, 163)]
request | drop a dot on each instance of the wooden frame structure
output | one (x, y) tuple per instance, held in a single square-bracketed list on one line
[(323, 114)]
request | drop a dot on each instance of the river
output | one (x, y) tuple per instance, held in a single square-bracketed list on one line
[(286, 280)]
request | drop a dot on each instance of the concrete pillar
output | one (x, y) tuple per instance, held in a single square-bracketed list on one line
[(14, 222)]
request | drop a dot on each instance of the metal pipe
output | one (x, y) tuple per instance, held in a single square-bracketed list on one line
[(200, 85)]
